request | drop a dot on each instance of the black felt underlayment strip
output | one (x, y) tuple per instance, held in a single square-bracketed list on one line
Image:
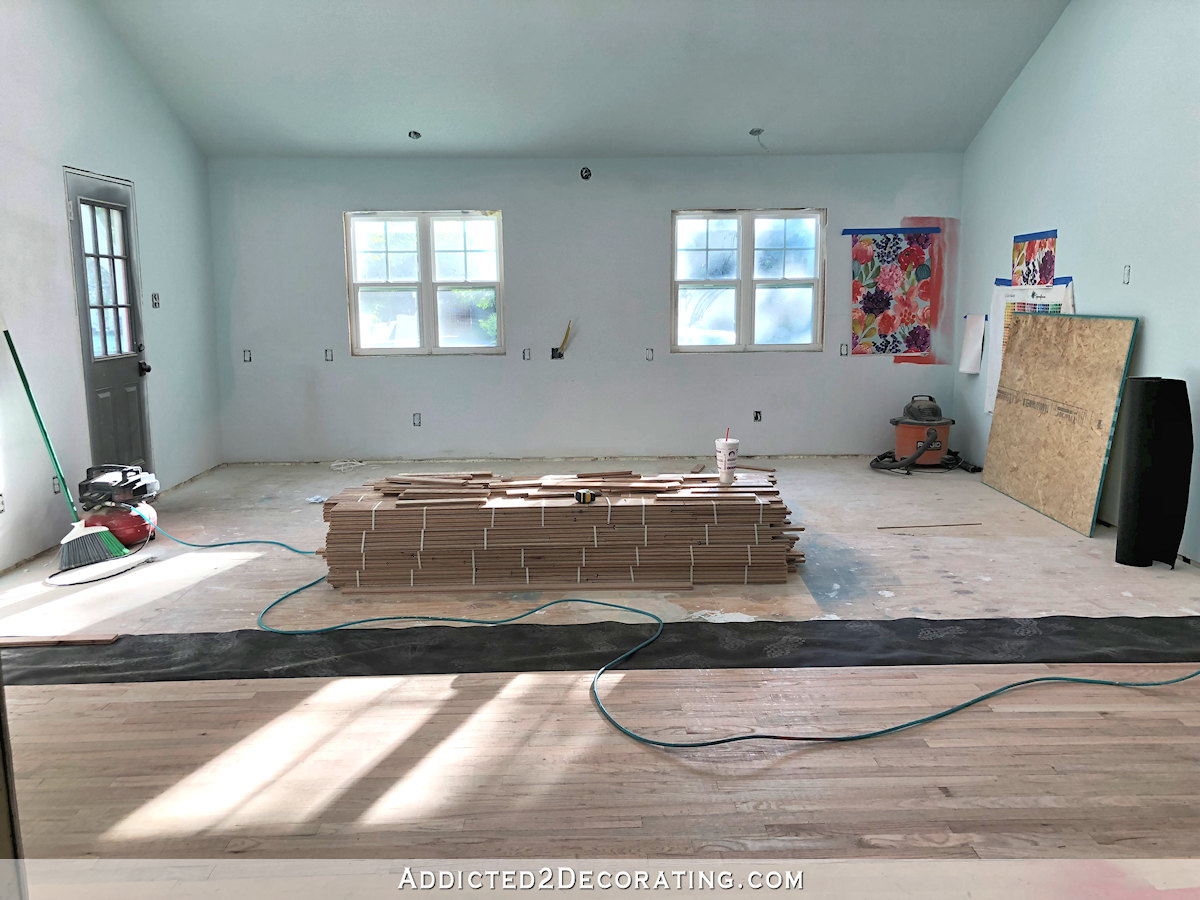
[(440, 649)]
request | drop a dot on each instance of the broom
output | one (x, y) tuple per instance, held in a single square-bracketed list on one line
[(83, 544)]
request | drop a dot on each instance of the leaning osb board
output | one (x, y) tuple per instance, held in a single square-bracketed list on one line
[(1056, 407)]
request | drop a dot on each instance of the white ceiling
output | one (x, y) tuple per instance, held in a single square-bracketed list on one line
[(587, 78)]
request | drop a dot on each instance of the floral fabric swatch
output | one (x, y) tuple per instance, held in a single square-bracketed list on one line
[(892, 288), (1033, 258)]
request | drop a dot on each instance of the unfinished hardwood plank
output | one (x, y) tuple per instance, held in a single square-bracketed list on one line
[(662, 531), (57, 641)]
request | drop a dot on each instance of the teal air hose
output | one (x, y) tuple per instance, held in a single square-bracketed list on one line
[(653, 742)]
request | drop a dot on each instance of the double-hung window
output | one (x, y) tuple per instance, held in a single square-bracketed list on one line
[(747, 279), (424, 282)]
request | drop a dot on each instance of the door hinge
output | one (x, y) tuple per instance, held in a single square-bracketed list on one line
[(70, 210)]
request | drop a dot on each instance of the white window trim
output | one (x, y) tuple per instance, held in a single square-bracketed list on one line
[(426, 287), (745, 283)]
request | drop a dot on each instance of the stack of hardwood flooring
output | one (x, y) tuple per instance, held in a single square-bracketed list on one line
[(473, 530)]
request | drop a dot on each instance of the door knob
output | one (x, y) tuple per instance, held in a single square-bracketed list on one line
[(143, 367)]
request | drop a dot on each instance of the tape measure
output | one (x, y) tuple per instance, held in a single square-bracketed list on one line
[(586, 496)]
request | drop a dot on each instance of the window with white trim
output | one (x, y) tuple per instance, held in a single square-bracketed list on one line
[(425, 282), (747, 279)]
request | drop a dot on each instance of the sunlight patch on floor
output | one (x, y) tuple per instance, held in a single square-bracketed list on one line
[(69, 611), (428, 785), (293, 766)]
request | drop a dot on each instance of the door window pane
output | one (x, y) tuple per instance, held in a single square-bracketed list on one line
[(122, 295), (783, 315), (110, 331), (93, 282), (707, 316), (467, 317), (388, 317), (106, 283), (126, 338), (97, 335), (87, 225), (118, 232), (102, 230)]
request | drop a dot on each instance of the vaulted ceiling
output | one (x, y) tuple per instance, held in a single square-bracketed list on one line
[(581, 77)]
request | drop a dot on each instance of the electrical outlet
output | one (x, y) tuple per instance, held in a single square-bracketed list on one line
[(1125, 275), (844, 350), (328, 355), (649, 354), (417, 420), (758, 415), (527, 353), (1, 503), (245, 356), (155, 301), (55, 484)]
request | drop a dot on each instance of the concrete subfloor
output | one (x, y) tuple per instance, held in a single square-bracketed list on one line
[(985, 556)]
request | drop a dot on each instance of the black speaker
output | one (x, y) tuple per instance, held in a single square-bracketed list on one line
[(1157, 470)]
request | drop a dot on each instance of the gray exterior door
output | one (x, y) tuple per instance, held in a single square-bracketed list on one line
[(12, 884), (104, 254)]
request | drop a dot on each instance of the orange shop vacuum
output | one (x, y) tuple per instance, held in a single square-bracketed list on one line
[(922, 440)]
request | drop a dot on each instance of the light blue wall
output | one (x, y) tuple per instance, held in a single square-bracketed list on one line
[(72, 96), (596, 252), (1099, 137)]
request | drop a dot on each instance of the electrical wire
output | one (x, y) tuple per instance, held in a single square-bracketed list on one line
[(594, 687)]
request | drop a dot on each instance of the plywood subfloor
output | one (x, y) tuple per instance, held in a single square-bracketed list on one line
[(1015, 563), (1056, 409), (521, 766)]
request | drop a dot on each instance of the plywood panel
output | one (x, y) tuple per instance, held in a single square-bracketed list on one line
[(1055, 412)]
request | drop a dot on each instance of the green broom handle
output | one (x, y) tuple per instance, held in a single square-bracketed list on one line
[(41, 426)]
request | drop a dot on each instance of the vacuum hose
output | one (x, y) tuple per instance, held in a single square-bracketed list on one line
[(887, 459)]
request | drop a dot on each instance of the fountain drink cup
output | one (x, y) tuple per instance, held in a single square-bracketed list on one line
[(727, 451)]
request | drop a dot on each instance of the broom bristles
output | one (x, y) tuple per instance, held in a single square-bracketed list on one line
[(87, 544)]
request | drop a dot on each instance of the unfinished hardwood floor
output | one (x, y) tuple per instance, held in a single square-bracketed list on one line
[(865, 560), (522, 766)]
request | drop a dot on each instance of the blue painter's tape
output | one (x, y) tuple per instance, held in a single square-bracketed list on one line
[(1007, 282), (923, 230), (1036, 236)]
